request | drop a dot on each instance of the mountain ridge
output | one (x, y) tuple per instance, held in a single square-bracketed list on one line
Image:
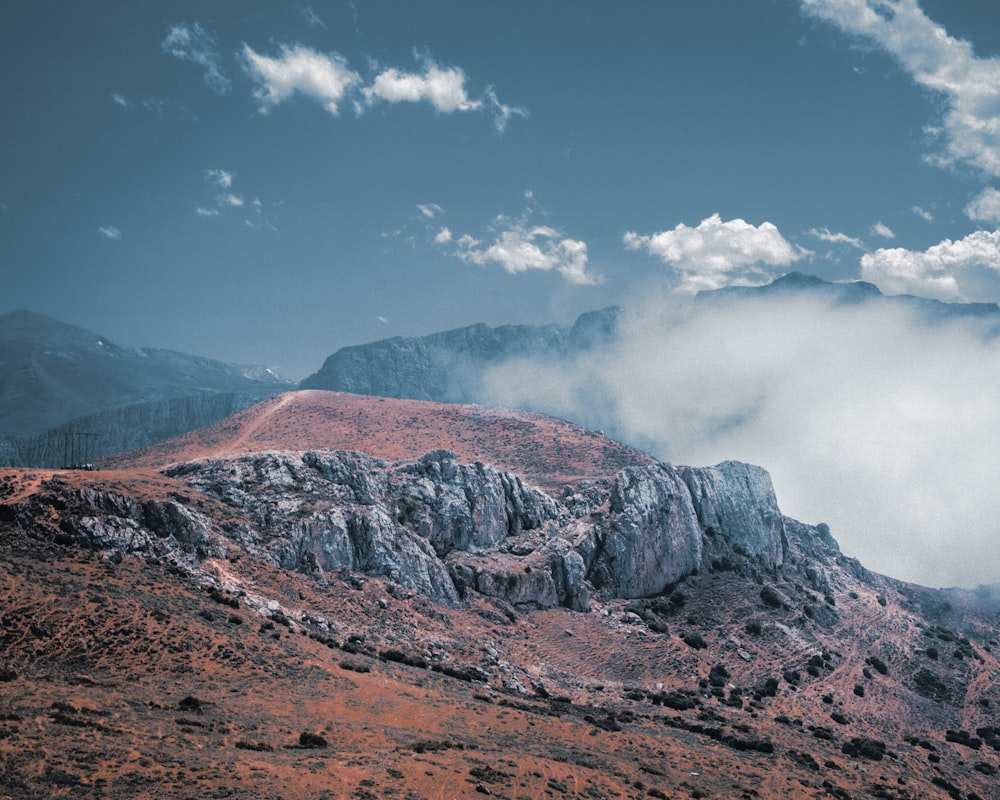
[(282, 618)]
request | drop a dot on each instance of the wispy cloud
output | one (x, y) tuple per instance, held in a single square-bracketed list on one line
[(324, 77), (229, 199), (119, 100), (719, 253), (825, 235), (429, 210), (311, 18), (206, 212), (110, 232), (219, 177), (965, 269), (883, 230), (923, 213), (935, 60), (194, 44), (329, 79), (443, 236), (985, 207)]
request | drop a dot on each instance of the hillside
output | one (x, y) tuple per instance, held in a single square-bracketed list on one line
[(262, 608)]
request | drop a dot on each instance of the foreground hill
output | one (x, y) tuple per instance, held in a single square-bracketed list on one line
[(345, 616), (57, 380)]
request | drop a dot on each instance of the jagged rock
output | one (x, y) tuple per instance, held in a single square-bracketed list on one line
[(738, 501), (441, 528), (652, 536)]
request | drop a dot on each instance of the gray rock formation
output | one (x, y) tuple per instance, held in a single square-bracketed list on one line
[(738, 500), (443, 529), (448, 366)]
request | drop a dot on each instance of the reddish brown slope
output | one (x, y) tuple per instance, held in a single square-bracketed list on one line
[(545, 450)]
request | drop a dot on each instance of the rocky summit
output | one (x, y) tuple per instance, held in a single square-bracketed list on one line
[(528, 609)]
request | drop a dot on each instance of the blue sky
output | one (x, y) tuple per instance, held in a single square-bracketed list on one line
[(267, 181)]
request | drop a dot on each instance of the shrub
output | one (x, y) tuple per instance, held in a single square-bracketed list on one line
[(863, 747), (753, 628), (695, 641), (877, 664), (260, 747), (963, 738), (400, 657), (859, 690), (190, 703), (311, 741), (770, 597)]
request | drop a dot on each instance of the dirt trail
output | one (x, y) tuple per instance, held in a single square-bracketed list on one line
[(239, 444)]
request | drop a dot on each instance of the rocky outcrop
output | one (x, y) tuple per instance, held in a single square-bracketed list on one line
[(738, 501), (448, 366), (439, 527)]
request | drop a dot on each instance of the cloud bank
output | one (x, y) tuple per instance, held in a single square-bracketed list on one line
[(868, 418), (719, 253)]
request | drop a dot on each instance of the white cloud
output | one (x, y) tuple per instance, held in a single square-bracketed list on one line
[(382, 319), (718, 253), (206, 212), (520, 248), (323, 77), (194, 44), (110, 232), (825, 235), (883, 230), (443, 236), (329, 79), (985, 207), (119, 100), (923, 213), (965, 269), (429, 210), (884, 427), (229, 200), (221, 178), (937, 61), (442, 87), (501, 112)]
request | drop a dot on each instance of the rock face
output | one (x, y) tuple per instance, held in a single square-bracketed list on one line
[(738, 501), (448, 366), (441, 528)]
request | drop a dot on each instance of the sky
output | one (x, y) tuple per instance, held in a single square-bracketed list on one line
[(266, 182)]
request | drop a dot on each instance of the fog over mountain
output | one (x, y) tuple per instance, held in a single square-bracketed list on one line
[(878, 416)]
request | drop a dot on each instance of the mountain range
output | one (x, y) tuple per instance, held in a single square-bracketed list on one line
[(67, 391), (335, 595), (59, 383), (450, 366)]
